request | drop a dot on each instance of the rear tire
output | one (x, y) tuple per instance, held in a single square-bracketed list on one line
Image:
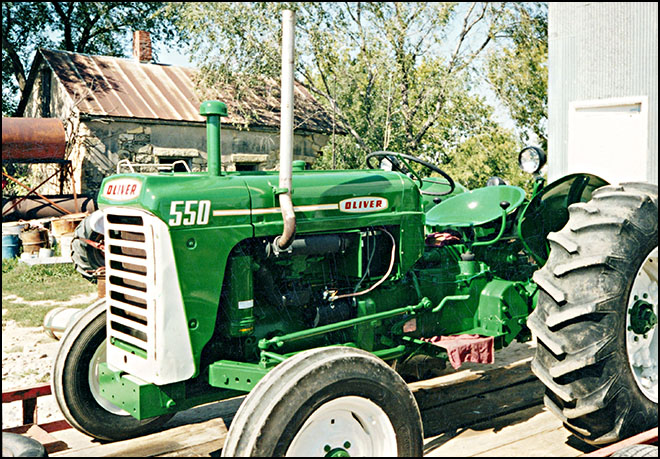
[(87, 258), (599, 371), (328, 401), (76, 389)]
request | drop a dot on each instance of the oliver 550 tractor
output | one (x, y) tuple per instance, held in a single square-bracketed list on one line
[(213, 293), (308, 289)]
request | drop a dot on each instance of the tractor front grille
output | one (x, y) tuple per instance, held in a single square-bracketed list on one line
[(130, 283), (147, 326)]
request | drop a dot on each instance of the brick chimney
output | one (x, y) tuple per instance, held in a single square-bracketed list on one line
[(141, 46)]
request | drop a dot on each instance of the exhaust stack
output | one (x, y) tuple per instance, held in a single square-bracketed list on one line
[(286, 130)]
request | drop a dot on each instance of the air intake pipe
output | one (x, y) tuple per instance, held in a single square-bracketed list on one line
[(213, 110), (286, 131)]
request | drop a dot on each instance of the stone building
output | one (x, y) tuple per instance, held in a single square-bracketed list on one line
[(118, 109)]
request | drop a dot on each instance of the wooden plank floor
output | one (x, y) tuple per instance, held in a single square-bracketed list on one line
[(481, 410)]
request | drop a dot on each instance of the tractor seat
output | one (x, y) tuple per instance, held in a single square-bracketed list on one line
[(475, 207)]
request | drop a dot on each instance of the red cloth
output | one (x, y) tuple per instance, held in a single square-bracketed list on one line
[(466, 348)]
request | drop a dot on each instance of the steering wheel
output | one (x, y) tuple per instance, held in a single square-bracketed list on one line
[(398, 161)]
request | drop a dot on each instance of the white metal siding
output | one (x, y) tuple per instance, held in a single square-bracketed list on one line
[(600, 51)]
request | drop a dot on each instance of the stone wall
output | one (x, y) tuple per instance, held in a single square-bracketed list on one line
[(106, 142)]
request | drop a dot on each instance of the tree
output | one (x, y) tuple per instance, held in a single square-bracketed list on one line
[(518, 71), (83, 27), (384, 71)]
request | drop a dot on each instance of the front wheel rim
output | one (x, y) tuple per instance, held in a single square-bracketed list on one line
[(343, 427), (642, 327), (94, 385)]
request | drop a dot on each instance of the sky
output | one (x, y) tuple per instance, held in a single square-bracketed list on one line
[(173, 56)]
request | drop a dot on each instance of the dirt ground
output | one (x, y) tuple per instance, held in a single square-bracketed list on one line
[(28, 354)]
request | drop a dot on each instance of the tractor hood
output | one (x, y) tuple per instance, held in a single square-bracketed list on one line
[(323, 200)]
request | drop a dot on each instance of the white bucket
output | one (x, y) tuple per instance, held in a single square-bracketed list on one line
[(65, 241)]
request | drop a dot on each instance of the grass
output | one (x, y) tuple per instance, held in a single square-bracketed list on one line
[(29, 292)]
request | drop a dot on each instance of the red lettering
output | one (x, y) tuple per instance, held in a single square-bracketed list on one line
[(379, 203)]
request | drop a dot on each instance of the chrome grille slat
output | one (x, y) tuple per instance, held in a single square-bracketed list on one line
[(128, 338), (125, 227), (127, 244), (126, 274), (130, 323), (127, 307), (130, 292), (124, 258)]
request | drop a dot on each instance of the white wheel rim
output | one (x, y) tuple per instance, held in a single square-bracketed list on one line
[(642, 349), (98, 358), (346, 426)]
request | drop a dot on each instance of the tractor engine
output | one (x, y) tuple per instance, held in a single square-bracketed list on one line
[(169, 259)]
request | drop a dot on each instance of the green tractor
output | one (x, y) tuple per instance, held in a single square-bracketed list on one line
[(308, 291)]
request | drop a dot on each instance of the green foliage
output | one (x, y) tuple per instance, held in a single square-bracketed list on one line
[(393, 76), (22, 274), (83, 27), (29, 292), (493, 152), (518, 72), (8, 264)]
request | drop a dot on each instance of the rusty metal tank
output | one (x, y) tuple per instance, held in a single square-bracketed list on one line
[(33, 140)]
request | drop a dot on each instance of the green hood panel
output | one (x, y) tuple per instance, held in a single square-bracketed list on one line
[(323, 200)]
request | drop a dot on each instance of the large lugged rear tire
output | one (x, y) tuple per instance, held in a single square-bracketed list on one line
[(596, 317), (86, 257), (333, 401), (75, 383)]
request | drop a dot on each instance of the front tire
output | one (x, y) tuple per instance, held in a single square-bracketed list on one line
[(75, 383), (596, 317), (328, 402)]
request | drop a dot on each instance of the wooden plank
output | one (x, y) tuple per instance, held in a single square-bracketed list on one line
[(462, 413), (484, 436), (25, 393), (204, 450), (442, 390), (205, 437), (501, 436), (551, 444)]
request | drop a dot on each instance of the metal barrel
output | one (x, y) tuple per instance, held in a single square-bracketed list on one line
[(10, 245), (33, 139), (58, 320)]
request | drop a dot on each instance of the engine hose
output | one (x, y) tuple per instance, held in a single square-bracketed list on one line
[(382, 279)]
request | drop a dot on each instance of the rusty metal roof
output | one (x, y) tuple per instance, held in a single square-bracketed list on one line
[(119, 87)]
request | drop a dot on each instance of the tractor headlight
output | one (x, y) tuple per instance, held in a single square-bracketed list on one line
[(531, 159)]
